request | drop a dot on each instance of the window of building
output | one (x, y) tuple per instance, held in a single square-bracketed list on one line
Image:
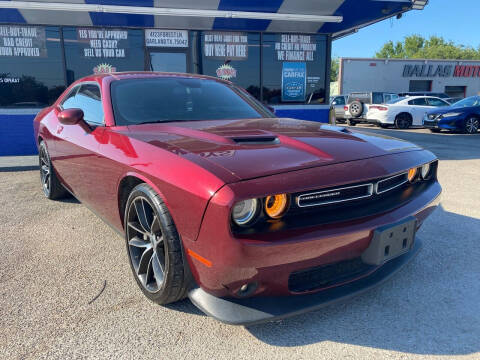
[(31, 69), (233, 56), (99, 50), (456, 91), (294, 68), (420, 85)]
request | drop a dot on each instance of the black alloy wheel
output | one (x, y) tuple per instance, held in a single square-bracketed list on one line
[(51, 186), (402, 121), (146, 245), (44, 163), (471, 125), (154, 247)]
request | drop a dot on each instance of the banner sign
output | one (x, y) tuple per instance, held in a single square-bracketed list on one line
[(294, 78), (295, 48), (449, 70), (103, 43), (22, 41), (225, 45), (166, 38)]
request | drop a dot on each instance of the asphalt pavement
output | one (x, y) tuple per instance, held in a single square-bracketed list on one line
[(67, 292)]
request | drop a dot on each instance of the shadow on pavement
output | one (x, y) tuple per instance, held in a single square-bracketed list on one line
[(18, 168), (431, 307)]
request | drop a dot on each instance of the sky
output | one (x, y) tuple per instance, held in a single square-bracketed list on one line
[(456, 20)]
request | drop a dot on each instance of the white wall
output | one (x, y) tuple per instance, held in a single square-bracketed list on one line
[(387, 75)]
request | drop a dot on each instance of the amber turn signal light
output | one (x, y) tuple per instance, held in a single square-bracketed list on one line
[(411, 174), (276, 205)]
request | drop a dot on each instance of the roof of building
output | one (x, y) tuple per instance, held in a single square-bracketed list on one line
[(336, 17)]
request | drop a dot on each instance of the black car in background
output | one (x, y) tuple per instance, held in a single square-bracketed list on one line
[(462, 116)]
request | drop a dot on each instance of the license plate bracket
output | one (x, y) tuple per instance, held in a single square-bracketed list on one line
[(390, 241)]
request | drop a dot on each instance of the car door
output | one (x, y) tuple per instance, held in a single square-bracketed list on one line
[(339, 103), (76, 148), (418, 109)]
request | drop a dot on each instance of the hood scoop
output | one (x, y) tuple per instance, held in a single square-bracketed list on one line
[(255, 140)]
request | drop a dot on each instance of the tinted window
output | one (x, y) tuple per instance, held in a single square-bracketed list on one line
[(89, 100), (69, 101), (294, 68), (233, 56), (377, 98), (31, 69), (396, 100), (418, 101), (98, 50), (437, 102), (178, 99), (340, 100)]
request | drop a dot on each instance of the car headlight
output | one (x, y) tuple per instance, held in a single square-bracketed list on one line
[(411, 174), (451, 114), (276, 205), (425, 171), (245, 211)]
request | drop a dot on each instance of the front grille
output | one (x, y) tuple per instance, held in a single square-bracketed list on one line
[(327, 275), (312, 209), (335, 195), (350, 193), (391, 183)]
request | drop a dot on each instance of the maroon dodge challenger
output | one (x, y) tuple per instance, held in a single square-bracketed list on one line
[(251, 216)]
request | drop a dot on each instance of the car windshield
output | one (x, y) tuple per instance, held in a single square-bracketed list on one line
[(166, 99), (468, 102), (394, 101)]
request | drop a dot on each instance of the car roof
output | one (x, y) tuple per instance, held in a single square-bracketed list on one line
[(421, 97), (146, 74)]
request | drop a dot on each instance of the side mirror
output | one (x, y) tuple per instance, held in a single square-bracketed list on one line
[(70, 117)]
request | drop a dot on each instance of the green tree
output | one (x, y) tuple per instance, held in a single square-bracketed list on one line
[(334, 70), (417, 47)]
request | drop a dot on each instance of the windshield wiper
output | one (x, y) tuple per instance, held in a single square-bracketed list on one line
[(156, 122)]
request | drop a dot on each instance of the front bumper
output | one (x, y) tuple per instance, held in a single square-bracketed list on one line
[(270, 258), (256, 310), (454, 123)]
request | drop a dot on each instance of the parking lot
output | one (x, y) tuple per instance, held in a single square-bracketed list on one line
[(66, 289)]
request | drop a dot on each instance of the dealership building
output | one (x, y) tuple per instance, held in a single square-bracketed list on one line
[(456, 78), (278, 50)]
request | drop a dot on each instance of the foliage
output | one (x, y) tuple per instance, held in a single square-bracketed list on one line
[(417, 47), (334, 70)]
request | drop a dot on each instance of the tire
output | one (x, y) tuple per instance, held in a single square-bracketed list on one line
[(350, 122), (403, 121), (471, 125), (154, 247), (51, 186), (356, 108), (435, 130)]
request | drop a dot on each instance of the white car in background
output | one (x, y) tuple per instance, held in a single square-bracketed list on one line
[(403, 112)]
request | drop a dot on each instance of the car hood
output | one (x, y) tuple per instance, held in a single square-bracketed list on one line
[(448, 109), (251, 148)]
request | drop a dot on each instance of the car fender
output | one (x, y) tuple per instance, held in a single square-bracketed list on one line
[(144, 179)]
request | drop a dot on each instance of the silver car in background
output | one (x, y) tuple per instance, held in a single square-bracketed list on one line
[(339, 102)]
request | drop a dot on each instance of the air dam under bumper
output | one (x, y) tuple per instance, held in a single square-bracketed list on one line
[(260, 309)]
